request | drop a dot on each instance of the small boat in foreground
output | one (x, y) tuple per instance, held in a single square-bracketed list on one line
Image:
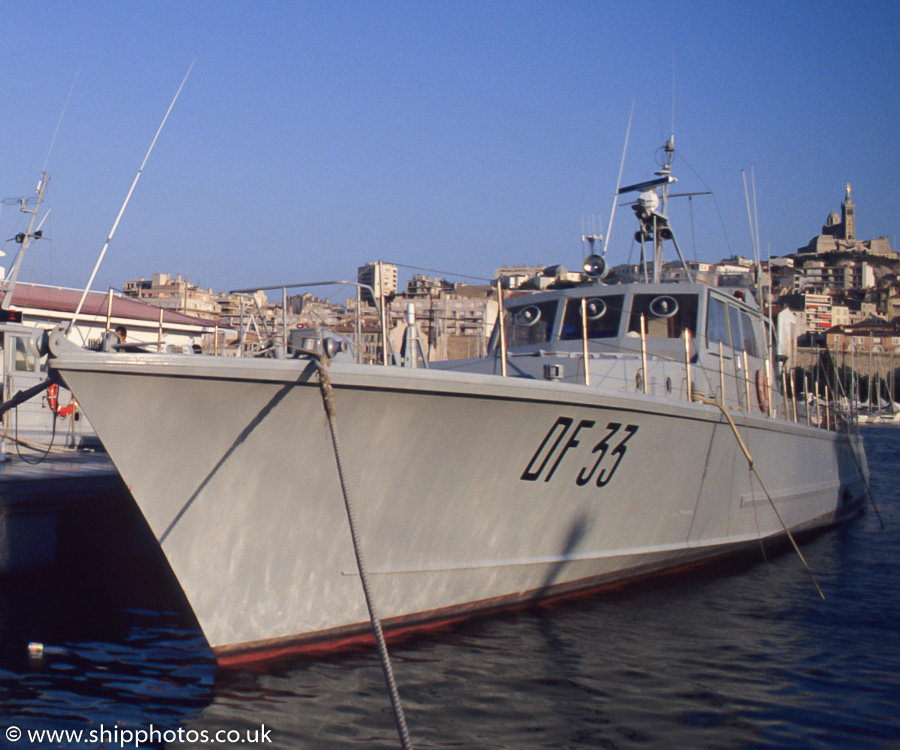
[(599, 441)]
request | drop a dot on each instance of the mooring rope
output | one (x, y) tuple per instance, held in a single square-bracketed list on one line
[(862, 474), (856, 460), (746, 452), (328, 400)]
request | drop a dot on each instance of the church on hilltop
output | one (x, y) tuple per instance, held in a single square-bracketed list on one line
[(839, 235)]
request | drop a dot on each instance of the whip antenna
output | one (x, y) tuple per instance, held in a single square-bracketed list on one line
[(612, 213), (127, 198), (61, 115)]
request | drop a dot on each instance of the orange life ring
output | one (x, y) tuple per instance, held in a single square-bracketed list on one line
[(53, 398), (762, 391), (53, 403)]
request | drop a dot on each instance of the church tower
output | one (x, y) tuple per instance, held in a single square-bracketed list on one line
[(848, 216)]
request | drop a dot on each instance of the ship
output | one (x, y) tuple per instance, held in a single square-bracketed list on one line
[(612, 432)]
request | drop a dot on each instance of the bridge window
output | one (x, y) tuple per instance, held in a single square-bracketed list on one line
[(666, 315), (603, 313), (717, 323), (529, 323), (749, 336)]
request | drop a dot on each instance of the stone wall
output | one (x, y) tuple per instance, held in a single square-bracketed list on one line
[(884, 366)]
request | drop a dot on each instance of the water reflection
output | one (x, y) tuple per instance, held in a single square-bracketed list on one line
[(102, 639), (739, 655)]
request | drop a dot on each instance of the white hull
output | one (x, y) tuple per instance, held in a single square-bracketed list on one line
[(470, 491)]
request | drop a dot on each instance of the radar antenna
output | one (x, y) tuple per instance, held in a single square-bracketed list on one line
[(651, 211)]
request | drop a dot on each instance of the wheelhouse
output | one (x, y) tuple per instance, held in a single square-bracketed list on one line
[(612, 317)]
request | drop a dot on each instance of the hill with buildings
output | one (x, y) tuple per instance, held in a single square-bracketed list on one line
[(835, 280)]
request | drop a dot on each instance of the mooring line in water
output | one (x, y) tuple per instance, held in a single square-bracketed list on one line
[(762, 546), (863, 475), (866, 484), (328, 400), (856, 460), (746, 452)]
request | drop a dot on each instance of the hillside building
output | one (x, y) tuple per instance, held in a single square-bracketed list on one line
[(839, 235)]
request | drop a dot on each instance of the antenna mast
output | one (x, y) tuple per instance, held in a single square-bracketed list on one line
[(618, 192), (24, 238), (654, 222), (593, 236), (127, 198)]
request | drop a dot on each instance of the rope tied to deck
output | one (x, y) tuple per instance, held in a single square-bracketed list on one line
[(327, 391)]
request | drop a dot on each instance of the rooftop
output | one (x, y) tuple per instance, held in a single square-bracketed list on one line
[(65, 301)]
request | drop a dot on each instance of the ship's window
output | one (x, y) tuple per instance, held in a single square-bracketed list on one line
[(24, 360), (734, 317), (604, 314), (749, 336), (717, 323), (666, 316), (529, 323)]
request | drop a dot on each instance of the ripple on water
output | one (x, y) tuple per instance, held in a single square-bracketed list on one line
[(743, 655)]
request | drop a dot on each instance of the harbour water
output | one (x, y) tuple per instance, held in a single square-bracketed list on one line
[(740, 655)]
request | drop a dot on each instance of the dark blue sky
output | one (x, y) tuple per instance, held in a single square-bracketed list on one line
[(312, 137)]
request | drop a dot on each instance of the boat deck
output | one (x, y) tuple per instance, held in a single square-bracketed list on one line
[(57, 479), (41, 502)]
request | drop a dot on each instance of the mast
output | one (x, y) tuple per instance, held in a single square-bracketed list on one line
[(24, 239), (661, 236), (651, 213)]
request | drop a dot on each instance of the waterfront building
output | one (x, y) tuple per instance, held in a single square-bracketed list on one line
[(877, 338), (377, 275), (674, 273), (817, 309), (456, 325), (512, 277), (49, 306), (813, 312), (161, 290), (427, 286)]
